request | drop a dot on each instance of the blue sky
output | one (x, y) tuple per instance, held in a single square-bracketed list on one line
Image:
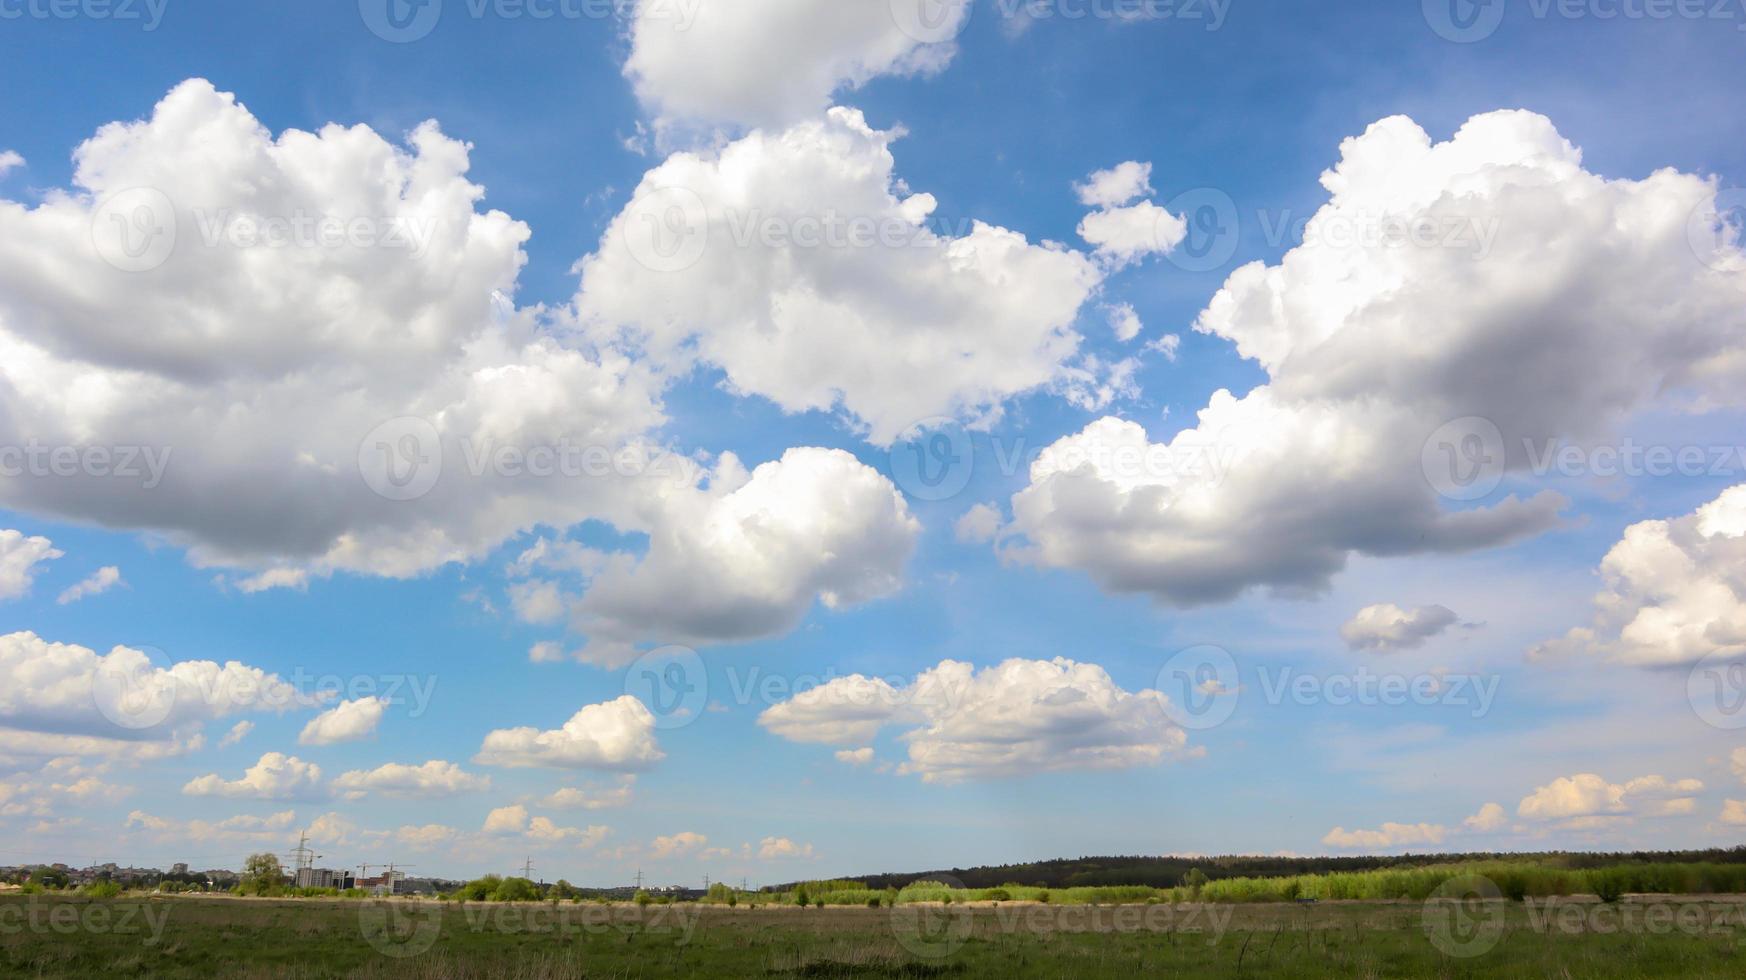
[(1252, 101)]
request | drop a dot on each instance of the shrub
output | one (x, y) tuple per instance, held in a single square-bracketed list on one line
[(1043, 896), (733, 900), (102, 889), (997, 895), (873, 902), (643, 899), (800, 897)]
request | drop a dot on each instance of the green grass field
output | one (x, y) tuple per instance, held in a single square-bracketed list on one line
[(1686, 937)]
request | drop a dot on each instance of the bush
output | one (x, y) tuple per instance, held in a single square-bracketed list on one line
[(997, 895), (1043, 896), (102, 889), (30, 888), (733, 900), (800, 897), (873, 902), (818, 903)]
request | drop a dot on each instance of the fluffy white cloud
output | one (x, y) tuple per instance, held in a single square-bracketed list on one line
[(1388, 627), (1209, 514), (268, 369), (1020, 717), (1126, 235), (1583, 798), (749, 556), (99, 582), (678, 845), (1733, 813), (1117, 186), (431, 780), (10, 161), (275, 777), (1125, 323), (763, 62), (1390, 835), (613, 735), (347, 721), (979, 525), (237, 733), (536, 601), (781, 848), (506, 820), (844, 711), (1675, 591), (79, 699), (592, 797), (19, 558), (855, 757), (245, 827), (809, 275), (1490, 817), (426, 837), (1490, 275)]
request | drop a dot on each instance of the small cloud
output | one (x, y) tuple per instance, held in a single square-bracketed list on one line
[(100, 581)]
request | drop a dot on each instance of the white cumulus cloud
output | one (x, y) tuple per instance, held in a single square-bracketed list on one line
[(347, 721), (1388, 627), (614, 735)]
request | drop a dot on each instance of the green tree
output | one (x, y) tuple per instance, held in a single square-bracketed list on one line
[(643, 899), (516, 890), (800, 896), (1195, 880), (262, 875)]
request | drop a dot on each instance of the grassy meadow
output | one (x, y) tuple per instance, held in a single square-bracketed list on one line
[(205, 937)]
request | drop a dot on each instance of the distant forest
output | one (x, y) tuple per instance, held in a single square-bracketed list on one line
[(1168, 872)]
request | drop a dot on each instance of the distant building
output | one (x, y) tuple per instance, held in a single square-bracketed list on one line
[(323, 878)]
